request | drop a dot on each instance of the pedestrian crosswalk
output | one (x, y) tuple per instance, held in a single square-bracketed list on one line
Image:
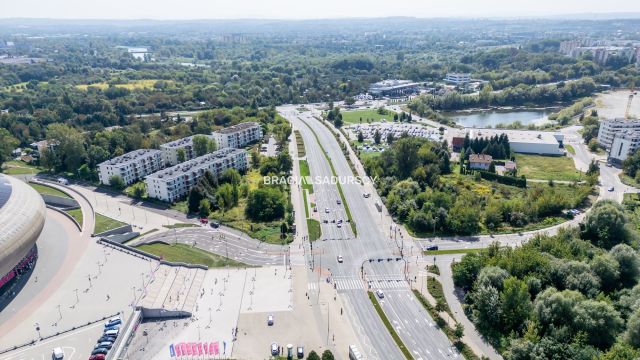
[(386, 282), (348, 283)]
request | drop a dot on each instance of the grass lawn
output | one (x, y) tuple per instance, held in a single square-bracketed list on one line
[(306, 205), (353, 117), (547, 167), (314, 229), (305, 173), (14, 167), (76, 214), (570, 149), (390, 328), (187, 254), (268, 232), (628, 180), (131, 85), (42, 189), (435, 289), (451, 251), (104, 223)]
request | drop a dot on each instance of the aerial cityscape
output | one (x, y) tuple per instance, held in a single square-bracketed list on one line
[(293, 180)]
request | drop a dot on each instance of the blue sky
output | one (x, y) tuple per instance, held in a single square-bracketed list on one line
[(304, 9)]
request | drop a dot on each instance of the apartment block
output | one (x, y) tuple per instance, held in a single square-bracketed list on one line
[(174, 183), (610, 129), (624, 145), (237, 136), (131, 166), (171, 149), (458, 78)]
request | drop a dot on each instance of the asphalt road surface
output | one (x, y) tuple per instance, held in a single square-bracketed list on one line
[(352, 276), (240, 248)]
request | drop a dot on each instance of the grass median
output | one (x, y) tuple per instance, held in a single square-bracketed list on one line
[(313, 227), (333, 170), (47, 190), (387, 324), (451, 251), (188, 254)]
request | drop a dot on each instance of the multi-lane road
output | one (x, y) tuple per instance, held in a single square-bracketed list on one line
[(353, 276)]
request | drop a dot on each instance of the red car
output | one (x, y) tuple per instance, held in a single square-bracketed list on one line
[(204, 220), (97, 357)]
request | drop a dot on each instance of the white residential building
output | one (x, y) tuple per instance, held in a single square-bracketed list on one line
[(624, 145), (237, 136), (131, 166), (458, 78), (170, 150), (611, 128), (174, 183)]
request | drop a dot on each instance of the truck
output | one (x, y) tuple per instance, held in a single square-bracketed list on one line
[(354, 354)]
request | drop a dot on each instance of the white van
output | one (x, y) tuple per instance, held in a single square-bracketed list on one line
[(113, 333), (63, 181), (58, 353)]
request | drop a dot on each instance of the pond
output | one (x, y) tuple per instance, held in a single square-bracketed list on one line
[(491, 118)]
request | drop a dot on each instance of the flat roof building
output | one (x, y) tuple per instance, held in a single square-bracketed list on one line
[(174, 183), (238, 136), (610, 128), (458, 78), (171, 149), (624, 145), (525, 141), (131, 166), (393, 88)]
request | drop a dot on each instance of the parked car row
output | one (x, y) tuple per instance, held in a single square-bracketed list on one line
[(275, 350), (109, 336)]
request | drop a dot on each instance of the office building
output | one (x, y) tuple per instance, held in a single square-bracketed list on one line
[(393, 88), (458, 78), (610, 128), (171, 149), (174, 183), (131, 166), (238, 136)]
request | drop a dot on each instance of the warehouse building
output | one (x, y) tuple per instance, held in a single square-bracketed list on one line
[(523, 141), (238, 136), (131, 166), (174, 183)]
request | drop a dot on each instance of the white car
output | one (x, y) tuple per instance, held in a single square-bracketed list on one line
[(326, 210), (275, 350), (58, 353), (340, 259), (270, 320), (380, 293), (610, 188)]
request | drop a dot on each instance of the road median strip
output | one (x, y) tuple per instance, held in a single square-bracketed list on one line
[(333, 170), (389, 327)]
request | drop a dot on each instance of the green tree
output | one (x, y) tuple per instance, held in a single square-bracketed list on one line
[(7, 144), (605, 224), (193, 200), (285, 163), (49, 159), (116, 182), (516, 304), (265, 204), (360, 137), (338, 121), (227, 196), (205, 208), (632, 336), (327, 355), (390, 138), (181, 155), (84, 172), (458, 332), (607, 269), (376, 137), (621, 351), (313, 356), (629, 262), (203, 145), (599, 321), (70, 145)]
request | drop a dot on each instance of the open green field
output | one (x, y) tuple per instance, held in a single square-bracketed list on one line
[(42, 189), (131, 85), (76, 214), (368, 115), (547, 167), (19, 168), (315, 232), (104, 223), (187, 254)]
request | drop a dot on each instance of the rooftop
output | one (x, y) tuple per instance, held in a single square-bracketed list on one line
[(480, 158), (195, 164), (238, 127), (515, 136), (131, 156), (186, 141), (392, 84)]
